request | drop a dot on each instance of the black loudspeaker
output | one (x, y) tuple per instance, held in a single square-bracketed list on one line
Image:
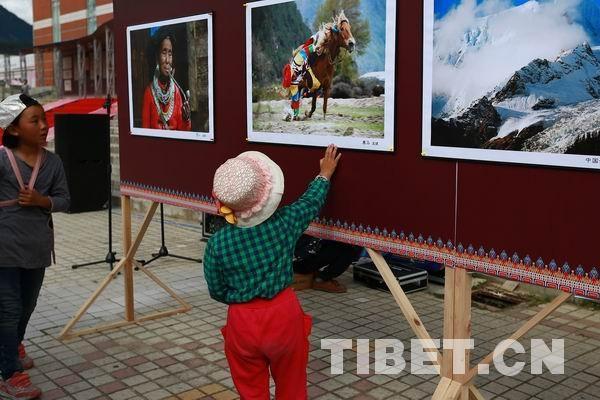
[(83, 143)]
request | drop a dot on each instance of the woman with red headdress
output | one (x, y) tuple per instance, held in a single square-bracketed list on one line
[(165, 106)]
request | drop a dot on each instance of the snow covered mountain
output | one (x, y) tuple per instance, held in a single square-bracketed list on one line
[(523, 78), (571, 126), (572, 78), (545, 106), (477, 51), (557, 96)]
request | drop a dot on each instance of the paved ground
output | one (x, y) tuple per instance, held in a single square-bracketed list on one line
[(182, 357)]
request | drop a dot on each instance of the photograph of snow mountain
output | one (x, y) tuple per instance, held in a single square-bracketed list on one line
[(513, 81)]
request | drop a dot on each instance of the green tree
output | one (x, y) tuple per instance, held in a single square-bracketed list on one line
[(276, 31), (361, 31)]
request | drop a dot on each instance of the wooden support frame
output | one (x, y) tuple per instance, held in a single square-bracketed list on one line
[(126, 265), (457, 311), (457, 325)]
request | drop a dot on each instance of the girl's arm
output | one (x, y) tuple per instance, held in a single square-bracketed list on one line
[(59, 196)]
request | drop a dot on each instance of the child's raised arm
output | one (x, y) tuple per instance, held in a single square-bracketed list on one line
[(307, 207), (330, 161)]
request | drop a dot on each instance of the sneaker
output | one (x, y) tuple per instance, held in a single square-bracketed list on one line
[(26, 361), (19, 387), (331, 286)]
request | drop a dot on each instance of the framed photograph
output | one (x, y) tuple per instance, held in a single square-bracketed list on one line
[(512, 81), (170, 73), (321, 72)]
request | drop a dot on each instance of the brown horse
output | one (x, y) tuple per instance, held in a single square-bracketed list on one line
[(338, 35)]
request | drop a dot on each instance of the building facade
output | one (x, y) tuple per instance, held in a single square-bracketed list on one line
[(73, 46)]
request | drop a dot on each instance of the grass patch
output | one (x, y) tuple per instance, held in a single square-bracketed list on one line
[(356, 112), (267, 93)]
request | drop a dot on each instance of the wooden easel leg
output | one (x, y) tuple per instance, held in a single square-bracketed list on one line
[(441, 389), (407, 309), (127, 264), (462, 325), (65, 332), (167, 289), (457, 325), (447, 389), (448, 322), (474, 393), (529, 325), (128, 276)]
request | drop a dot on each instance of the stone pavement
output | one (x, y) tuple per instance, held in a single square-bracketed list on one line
[(182, 357)]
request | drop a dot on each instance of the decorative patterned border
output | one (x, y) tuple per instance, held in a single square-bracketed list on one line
[(575, 281), (172, 197)]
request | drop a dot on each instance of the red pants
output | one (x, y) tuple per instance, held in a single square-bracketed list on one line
[(263, 334)]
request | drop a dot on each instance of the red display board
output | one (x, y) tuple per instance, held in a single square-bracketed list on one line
[(377, 199)]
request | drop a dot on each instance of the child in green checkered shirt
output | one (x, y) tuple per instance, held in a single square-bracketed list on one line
[(248, 265)]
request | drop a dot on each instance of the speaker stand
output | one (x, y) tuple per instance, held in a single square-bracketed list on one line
[(110, 258), (163, 251)]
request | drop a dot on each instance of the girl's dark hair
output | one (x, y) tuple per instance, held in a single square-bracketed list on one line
[(28, 101), (12, 141)]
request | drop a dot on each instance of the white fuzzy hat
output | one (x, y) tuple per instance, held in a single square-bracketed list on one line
[(248, 188)]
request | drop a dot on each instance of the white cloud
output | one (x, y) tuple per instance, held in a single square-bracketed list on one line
[(21, 8), (493, 6), (502, 38)]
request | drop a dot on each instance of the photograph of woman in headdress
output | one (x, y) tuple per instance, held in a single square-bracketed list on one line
[(165, 106), (170, 78)]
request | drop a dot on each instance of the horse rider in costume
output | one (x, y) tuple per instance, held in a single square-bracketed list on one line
[(300, 65), (298, 68)]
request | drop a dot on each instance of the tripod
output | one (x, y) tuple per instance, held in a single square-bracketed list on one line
[(163, 251), (111, 255)]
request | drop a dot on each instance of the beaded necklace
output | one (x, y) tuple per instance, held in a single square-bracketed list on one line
[(164, 98)]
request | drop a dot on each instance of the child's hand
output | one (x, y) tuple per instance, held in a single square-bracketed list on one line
[(330, 161), (31, 198)]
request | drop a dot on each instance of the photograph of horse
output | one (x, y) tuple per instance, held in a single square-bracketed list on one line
[(319, 72), (337, 36)]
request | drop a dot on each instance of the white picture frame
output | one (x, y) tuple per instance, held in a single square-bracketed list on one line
[(533, 157), (318, 138), (201, 135)]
